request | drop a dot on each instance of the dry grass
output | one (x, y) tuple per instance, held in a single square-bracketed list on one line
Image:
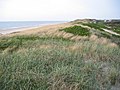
[(48, 59), (55, 63)]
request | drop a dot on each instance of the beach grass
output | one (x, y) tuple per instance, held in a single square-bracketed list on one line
[(98, 26), (47, 63), (114, 27)]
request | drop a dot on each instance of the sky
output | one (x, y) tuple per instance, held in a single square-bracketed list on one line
[(58, 10)]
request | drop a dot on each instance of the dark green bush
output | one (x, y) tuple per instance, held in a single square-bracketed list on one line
[(77, 30)]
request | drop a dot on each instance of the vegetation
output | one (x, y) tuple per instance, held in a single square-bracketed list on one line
[(105, 35), (116, 36), (101, 33), (114, 27), (98, 26), (45, 63), (77, 30), (117, 30)]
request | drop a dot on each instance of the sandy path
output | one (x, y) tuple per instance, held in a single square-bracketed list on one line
[(106, 30), (110, 31)]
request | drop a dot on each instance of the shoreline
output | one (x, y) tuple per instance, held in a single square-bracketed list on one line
[(20, 29), (9, 31), (37, 30)]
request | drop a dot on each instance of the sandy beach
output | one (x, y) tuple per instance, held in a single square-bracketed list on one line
[(46, 29), (33, 29), (15, 30)]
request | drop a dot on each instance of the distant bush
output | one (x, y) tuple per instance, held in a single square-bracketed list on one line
[(77, 30)]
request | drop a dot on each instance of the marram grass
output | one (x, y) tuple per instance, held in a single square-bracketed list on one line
[(53, 64)]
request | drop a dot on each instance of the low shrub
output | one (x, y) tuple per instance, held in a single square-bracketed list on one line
[(77, 30)]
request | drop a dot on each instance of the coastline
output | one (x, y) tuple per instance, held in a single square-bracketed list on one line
[(20, 29), (38, 30), (9, 31)]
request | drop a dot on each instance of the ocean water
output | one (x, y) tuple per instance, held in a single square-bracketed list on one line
[(7, 27)]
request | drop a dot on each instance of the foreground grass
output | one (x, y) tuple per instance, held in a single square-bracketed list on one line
[(57, 64)]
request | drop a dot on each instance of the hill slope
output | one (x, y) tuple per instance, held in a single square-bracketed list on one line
[(70, 56)]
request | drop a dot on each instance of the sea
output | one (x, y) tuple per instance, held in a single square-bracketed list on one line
[(12, 26)]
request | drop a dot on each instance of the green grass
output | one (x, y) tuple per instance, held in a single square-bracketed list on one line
[(101, 33), (77, 30), (116, 36), (97, 26), (18, 41), (117, 30), (57, 67), (105, 35), (114, 27)]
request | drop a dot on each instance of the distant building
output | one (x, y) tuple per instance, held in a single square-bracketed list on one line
[(115, 21), (112, 21)]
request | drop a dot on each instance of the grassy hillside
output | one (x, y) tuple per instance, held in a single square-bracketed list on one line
[(114, 27), (37, 63), (98, 29)]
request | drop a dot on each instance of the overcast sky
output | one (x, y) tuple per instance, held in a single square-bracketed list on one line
[(58, 10)]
